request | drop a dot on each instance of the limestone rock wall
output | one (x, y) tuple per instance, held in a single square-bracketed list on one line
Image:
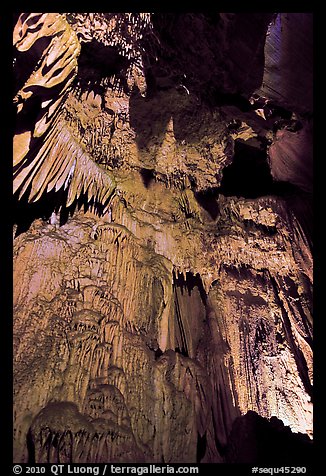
[(152, 310), (106, 323)]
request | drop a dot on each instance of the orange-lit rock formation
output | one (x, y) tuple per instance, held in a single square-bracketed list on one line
[(154, 308)]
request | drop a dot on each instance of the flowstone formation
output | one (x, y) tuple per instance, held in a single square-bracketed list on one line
[(162, 240)]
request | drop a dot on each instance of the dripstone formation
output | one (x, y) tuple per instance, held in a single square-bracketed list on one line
[(162, 239)]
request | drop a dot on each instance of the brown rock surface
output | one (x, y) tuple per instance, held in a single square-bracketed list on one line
[(152, 309)]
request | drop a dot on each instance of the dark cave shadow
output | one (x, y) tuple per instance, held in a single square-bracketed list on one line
[(174, 62), (25, 213), (96, 62), (189, 283), (249, 174), (201, 446), (147, 176), (147, 118), (30, 447), (207, 199), (25, 61), (256, 440)]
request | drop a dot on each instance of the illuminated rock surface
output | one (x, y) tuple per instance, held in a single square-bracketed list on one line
[(162, 252)]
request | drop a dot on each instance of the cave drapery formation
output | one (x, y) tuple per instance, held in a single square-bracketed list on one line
[(162, 238)]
